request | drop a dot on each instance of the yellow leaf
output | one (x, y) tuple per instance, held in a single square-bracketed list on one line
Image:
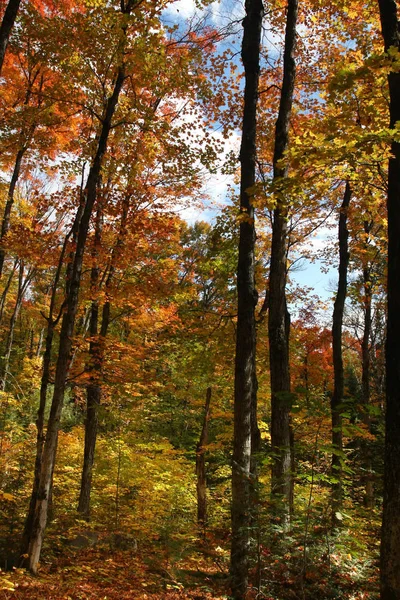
[(6, 496)]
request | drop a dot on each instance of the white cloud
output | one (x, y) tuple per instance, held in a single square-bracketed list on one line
[(183, 8), (215, 187)]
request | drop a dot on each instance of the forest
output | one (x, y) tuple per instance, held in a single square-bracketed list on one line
[(200, 299)]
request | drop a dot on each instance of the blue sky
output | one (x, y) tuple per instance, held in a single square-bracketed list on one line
[(219, 14)]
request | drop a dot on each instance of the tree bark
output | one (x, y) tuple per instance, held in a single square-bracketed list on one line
[(245, 360), (390, 540), (366, 377), (278, 316), (96, 353), (201, 467), (338, 371), (5, 225), (6, 26), (66, 334), (46, 363), (93, 392)]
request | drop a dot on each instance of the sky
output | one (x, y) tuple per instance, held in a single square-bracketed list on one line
[(219, 14)]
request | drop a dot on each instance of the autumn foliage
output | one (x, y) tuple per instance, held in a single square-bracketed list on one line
[(120, 123)]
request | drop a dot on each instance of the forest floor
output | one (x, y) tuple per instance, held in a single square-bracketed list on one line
[(97, 574), (200, 573)]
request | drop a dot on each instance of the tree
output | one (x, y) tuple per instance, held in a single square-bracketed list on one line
[(337, 325), (36, 121), (278, 315), (7, 24), (245, 359), (68, 321), (390, 540), (201, 466)]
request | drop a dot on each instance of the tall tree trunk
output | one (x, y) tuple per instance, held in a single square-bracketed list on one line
[(46, 363), (6, 26), (201, 467), (338, 371), (96, 353), (278, 316), (67, 329), (93, 392), (390, 542), (366, 377), (245, 360)]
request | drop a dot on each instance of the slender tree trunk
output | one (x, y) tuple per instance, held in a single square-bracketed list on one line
[(67, 328), (365, 348), (5, 225), (365, 379), (6, 288), (390, 541), (93, 402), (22, 286), (39, 344), (254, 460), (278, 316), (93, 392), (6, 27), (201, 467), (338, 387), (245, 361), (40, 420), (96, 353)]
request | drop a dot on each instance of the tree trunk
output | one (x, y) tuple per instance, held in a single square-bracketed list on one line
[(67, 329), (5, 225), (6, 288), (338, 371), (93, 392), (390, 541), (201, 467), (93, 399), (40, 420), (6, 27), (366, 377), (96, 352), (22, 286), (245, 360), (278, 316)]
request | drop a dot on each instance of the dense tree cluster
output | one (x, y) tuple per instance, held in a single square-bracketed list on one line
[(170, 396)]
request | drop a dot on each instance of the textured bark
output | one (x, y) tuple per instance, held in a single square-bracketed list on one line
[(40, 420), (201, 466), (93, 392), (6, 27), (278, 316), (96, 354), (338, 371), (366, 377), (245, 366), (93, 402), (390, 541), (66, 334)]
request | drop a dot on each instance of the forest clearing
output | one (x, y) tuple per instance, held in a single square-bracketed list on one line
[(183, 414)]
